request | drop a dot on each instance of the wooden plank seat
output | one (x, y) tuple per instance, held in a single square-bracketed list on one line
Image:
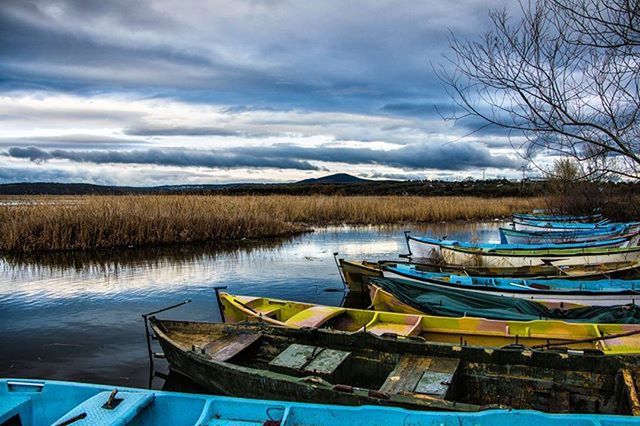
[(379, 327), (258, 305), (314, 316), (315, 360), (423, 375), (227, 347)]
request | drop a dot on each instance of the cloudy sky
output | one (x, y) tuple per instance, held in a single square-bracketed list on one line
[(157, 92)]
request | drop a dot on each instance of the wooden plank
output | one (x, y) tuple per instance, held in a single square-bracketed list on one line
[(631, 392), (424, 375), (314, 316), (315, 360), (227, 347)]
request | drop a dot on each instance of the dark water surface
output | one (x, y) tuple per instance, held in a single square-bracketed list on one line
[(77, 316)]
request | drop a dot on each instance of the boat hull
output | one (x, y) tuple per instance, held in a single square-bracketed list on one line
[(479, 379), (549, 299), (509, 236), (473, 331), (469, 258), (31, 402)]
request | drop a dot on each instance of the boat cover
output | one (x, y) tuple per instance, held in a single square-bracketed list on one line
[(434, 300)]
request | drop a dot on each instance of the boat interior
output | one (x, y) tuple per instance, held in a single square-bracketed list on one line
[(31, 403), (462, 330), (346, 365)]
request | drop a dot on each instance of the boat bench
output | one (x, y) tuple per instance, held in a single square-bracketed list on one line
[(11, 406), (300, 359), (225, 348), (314, 316), (93, 411), (412, 327), (431, 376)]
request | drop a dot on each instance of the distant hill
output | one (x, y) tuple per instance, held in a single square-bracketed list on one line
[(338, 184), (336, 178)]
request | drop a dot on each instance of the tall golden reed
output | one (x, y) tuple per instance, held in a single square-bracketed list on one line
[(88, 222)]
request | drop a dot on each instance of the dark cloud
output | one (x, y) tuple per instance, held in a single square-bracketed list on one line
[(161, 157), (350, 56), (72, 141), (455, 156), (452, 156)]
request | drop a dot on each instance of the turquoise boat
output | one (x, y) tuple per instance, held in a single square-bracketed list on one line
[(599, 292), (558, 217), (426, 247), (517, 236), (570, 226), (45, 402)]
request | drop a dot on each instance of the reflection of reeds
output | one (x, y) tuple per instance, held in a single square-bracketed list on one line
[(116, 221)]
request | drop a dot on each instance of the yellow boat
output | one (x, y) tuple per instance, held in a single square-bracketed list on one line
[(612, 339)]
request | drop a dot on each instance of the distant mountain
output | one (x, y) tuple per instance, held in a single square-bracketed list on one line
[(336, 178)]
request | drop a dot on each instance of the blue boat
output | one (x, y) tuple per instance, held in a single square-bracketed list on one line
[(602, 292), (45, 402), (558, 218), (424, 246), (559, 226), (518, 236)]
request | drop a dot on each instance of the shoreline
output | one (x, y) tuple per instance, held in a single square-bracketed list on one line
[(112, 222)]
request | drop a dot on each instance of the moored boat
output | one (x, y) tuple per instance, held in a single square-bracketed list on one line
[(458, 255), (356, 272), (413, 297), (533, 225), (516, 236), (354, 369), (426, 247), (29, 402), (558, 217), (598, 292), (607, 338)]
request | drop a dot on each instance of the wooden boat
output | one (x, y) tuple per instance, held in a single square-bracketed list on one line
[(356, 272), (532, 225), (607, 338), (325, 366), (516, 236), (425, 247), (597, 292), (412, 297), (558, 218), (457, 255), (29, 402)]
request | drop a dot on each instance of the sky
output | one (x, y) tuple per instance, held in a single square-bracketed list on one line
[(159, 92)]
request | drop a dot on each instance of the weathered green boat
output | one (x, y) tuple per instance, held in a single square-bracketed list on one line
[(355, 273), (325, 366)]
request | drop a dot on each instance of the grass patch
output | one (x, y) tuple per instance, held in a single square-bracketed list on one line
[(29, 224)]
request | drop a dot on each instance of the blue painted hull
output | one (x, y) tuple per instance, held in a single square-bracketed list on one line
[(513, 236), (604, 292), (613, 242), (524, 284), (557, 218), (49, 402)]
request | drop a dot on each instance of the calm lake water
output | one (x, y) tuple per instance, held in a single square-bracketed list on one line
[(77, 316)]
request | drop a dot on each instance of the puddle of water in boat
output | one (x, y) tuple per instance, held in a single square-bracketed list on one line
[(77, 316)]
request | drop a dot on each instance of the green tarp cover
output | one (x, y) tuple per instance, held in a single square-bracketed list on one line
[(452, 302)]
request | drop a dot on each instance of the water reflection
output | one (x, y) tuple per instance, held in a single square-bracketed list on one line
[(77, 316)]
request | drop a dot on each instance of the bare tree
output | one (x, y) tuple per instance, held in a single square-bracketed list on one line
[(563, 77)]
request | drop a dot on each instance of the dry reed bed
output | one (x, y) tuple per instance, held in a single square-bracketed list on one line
[(113, 221)]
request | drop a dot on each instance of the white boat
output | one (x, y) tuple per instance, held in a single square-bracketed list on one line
[(466, 256)]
